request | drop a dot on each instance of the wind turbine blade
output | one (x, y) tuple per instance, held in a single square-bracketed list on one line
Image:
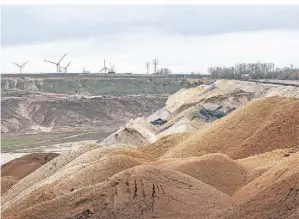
[(16, 64), (24, 64), (102, 69), (62, 57), (68, 65), (50, 62)]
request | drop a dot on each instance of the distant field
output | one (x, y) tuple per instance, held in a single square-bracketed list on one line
[(112, 86), (13, 143), (9, 140), (95, 85)]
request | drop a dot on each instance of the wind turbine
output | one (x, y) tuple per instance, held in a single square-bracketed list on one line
[(155, 63), (65, 68), (58, 63), (20, 66), (105, 68), (147, 64)]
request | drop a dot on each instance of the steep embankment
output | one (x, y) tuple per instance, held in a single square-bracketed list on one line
[(260, 126), (196, 108), (17, 169), (96, 85), (47, 112)]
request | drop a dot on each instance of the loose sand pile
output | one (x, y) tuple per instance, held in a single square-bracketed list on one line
[(7, 182), (25, 165), (261, 126), (90, 171), (258, 164), (136, 132), (189, 113), (89, 175), (217, 170), (26, 184), (139, 192), (277, 201), (97, 153), (17, 169), (164, 144), (284, 169), (182, 126)]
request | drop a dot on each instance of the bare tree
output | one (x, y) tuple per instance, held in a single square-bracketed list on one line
[(254, 70)]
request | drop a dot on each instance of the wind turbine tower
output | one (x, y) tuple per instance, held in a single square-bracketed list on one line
[(155, 63), (58, 63), (147, 65), (20, 66), (105, 67)]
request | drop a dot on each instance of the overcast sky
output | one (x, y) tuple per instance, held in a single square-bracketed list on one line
[(183, 38)]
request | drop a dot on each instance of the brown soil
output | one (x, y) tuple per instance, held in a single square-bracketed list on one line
[(281, 200), (295, 215), (260, 126), (138, 192), (18, 168), (217, 170), (258, 164), (55, 112), (164, 144), (285, 168), (89, 175), (25, 165), (7, 182), (42, 173)]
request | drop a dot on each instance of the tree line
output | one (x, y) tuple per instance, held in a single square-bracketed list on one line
[(254, 71)]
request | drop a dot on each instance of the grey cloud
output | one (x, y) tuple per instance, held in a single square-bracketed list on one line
[(35, 24)]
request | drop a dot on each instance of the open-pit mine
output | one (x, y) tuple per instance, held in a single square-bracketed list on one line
[(152, 147)]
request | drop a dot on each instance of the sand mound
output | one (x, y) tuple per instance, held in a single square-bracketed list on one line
[(139, 192), (136, 132), (258, 164), (89, 156), (184, 96), (98, 153), (261, 126), (217, 170), (184, 125), (224, 95), (276, 174), (92, 174), (41, 173), (98, 171), (190, 113), (18, 168), (25, 165), (132, 152), (80, 170), (278, 201), (164, 144), (7, 182)]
